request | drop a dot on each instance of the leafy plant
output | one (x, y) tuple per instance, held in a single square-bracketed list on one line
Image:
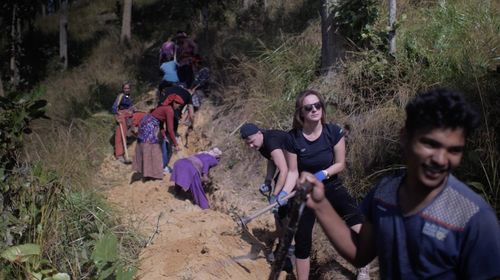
[(27, 257), (356, 19), (17, 111), (106, 260)]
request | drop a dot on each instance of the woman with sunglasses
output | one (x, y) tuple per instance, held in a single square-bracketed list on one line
[(319, 148), (148, 154)]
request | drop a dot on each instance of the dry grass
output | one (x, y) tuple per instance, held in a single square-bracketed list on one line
[(84, 19), (368, 98), (70, 92), (73, 152), (330, 265)]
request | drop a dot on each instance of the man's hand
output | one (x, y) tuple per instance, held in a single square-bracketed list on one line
[(280, 199), (317, 194), (264, 189)]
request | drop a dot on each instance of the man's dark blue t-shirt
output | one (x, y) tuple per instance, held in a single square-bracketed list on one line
[(456, 236)]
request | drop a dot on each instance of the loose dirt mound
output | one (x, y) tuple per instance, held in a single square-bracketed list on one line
[(183, 241)]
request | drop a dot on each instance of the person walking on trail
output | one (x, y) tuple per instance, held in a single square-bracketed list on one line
[(191, 173), (422, 222), (170, 77), (123, 110), (148, 154), (167, 51), (201, 77), (319, 148), (186, 49)]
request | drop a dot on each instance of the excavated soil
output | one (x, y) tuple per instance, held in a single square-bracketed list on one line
[(182, 240)]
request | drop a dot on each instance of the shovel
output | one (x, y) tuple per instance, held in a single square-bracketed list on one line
[(124, 141), (243, 221)]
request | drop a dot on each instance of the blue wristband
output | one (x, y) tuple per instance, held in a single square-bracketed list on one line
[(320, 175)]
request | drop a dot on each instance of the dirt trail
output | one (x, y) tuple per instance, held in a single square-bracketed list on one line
[(190, 243)]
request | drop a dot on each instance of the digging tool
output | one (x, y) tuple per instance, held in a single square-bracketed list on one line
[(266, 249), (124, 141), (245, 220), (296, 207)]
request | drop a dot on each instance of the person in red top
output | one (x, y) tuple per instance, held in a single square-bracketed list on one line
[(186, 49), (148, 156)]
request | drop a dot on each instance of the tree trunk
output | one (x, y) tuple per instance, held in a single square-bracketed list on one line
[(204, 21), (2, 93), (126, 21), (247, 4), (15, 45), (332, 43), (63, 34), (392, 28)]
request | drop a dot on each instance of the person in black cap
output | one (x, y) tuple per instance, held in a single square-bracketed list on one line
[(269, 143)]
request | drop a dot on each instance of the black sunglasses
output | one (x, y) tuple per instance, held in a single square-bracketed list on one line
[(309, 107)]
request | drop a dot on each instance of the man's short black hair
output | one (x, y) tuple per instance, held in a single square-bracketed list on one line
[(440, 108)]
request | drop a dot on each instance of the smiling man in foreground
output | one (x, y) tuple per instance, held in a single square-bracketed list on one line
[(422, 223)]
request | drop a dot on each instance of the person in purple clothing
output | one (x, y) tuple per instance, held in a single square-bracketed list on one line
[(191, 172), (423, 222)]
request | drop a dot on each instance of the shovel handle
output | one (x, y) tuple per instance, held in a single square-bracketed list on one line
[(245, 220), (124, 140)]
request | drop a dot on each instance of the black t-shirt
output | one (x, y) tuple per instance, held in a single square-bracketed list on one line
[(273, 139), (313, 156), (183, 93)]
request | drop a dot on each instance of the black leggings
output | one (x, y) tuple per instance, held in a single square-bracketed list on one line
[(186, 74), (341, 201)]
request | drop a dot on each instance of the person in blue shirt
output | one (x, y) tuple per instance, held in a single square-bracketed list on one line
[(170, 77), (423, 222)]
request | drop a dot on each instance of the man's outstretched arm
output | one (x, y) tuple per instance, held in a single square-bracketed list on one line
[(358, 249)]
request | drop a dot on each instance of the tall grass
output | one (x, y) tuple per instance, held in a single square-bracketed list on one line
[(73, 152), (271, 81), (453, 45), (65, 224), (52, 199)]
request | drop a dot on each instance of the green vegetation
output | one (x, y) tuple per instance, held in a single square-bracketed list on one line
[(51, 230), (453, 45), (54, 222)]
